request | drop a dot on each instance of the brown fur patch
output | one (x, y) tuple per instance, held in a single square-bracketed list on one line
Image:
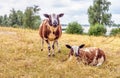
[(48, 32), (88, 57)]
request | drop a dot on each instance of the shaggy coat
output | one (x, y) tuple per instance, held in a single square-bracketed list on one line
[(90, 56)]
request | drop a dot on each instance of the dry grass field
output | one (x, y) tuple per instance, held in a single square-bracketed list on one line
[(20, 56)]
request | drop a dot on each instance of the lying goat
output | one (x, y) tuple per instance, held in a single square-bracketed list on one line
[(90, 56)]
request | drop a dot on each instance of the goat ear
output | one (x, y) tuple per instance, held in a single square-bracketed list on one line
[(46, 15), (81, 46), (61, 14), (68, 46)]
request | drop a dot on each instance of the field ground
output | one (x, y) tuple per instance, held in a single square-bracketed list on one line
[(20, 56)]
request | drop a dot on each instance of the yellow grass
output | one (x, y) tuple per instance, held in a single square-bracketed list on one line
[(20, 56)]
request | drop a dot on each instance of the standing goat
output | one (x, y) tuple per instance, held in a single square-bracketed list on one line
[(50, 30), (90, 56)]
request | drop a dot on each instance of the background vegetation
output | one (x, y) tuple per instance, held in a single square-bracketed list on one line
[(21, 57), (99, 17), (97, 30), (99, 13), (26, 19), (115, 32), (74, 28)]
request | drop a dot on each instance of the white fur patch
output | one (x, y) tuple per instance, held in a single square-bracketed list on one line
[(96, 53), (54, 18), (75, 49), (94, 60), (87, 50), (100, 61)]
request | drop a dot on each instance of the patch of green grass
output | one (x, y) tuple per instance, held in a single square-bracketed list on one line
[(20, 56)]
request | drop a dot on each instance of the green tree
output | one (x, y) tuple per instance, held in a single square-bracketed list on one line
[(28, 19), (31, 18), (74, 28), (98, 13), (1, 20), (20, 16), (13, 17), (36, 9), (5, 20), (97, 30), (115, 31)]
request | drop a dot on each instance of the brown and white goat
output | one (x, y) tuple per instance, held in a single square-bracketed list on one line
[(50, 30), (90, 56)]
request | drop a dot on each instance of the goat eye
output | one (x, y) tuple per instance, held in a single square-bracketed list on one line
[(50, 22)]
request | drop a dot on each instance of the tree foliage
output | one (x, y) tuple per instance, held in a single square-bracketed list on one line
[(30, 16), (20, 17), (13, 17), (97, 30), (98, 13), (27, 19), (74, 28), (115, 31)]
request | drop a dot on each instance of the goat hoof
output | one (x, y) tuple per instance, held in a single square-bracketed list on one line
[(59, 51), (41, 49), (49, 55), (53, 55)]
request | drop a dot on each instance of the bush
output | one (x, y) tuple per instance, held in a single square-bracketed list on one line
[(36, 24), (97, 30), (74, 28), (15, 26), (115, 31)]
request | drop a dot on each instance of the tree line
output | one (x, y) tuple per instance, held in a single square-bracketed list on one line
[(98, 17), (17, 18)]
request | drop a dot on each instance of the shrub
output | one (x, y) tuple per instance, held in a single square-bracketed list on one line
[(15, 26), (115, 31), (74, 28), (97, 30), (36, 24)]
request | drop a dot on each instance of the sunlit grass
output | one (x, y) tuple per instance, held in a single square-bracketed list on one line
[(20, 56)]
